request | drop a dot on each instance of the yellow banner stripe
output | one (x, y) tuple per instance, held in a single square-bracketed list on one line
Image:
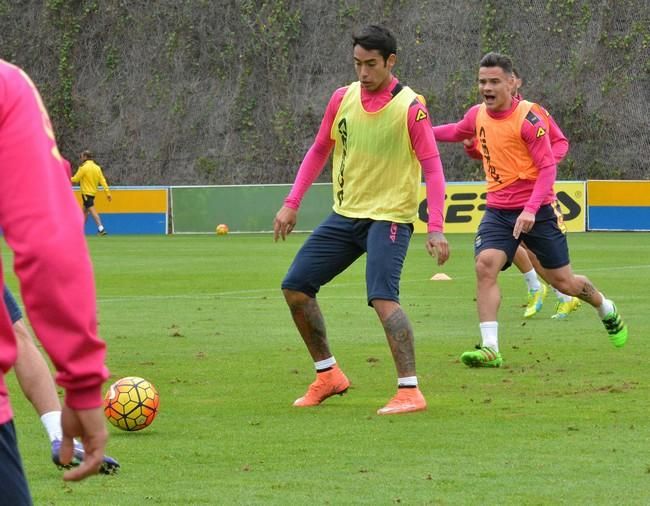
[(130, 201), (618, 193)]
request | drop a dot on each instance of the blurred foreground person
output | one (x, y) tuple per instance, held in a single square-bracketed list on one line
[(51, 261)]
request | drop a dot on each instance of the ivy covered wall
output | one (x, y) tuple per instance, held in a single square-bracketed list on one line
[(232, 92)]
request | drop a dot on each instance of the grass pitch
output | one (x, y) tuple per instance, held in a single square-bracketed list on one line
[(565, 421)]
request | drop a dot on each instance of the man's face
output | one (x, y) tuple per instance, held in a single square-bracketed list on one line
[(495, 86), (372, 70)]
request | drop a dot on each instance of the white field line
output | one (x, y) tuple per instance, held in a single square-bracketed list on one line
[(255, 294)]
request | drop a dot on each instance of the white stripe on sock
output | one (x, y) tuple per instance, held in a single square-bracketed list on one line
[(408, 381), (325, 364)]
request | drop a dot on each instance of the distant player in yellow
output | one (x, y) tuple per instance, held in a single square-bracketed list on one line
[(90, 176)]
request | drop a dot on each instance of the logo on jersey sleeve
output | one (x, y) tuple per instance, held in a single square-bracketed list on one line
[(540, 132), (532, 118), (419, 102), (422, 114)]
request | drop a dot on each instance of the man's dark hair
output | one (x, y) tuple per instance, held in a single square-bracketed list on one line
[(87, 154), (376, 37), (497, 60)]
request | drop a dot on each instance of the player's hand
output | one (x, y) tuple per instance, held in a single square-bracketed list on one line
[(437, 246), (284, 223), (89, 426), (525, 221), (469, 143)]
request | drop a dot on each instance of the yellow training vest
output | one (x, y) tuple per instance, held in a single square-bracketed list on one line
[(375, 171), (505, 154)]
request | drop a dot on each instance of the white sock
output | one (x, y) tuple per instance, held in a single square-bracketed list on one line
[(605, 308), (328, 363), (52, 423), (408, 381), (100, 228), (532, 282), (562, 297), (489, 335)]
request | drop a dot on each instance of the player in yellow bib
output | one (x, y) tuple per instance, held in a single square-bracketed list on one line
[(382, 141)]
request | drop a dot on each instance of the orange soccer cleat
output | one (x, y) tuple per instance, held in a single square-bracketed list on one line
[(406, 400), (328, 383)]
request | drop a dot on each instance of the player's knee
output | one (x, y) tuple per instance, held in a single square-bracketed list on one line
[(295, 298), (568, 286), (385, 308), (486, 266)]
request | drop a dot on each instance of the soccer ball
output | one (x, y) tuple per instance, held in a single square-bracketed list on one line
[(131, 403), (222, 229)]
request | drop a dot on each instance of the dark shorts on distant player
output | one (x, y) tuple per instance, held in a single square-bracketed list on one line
[(13, 484), (338, 241), (12, 306), (547, 238), (88, 200)]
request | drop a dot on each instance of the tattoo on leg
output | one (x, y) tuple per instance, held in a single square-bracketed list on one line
[(587, 292), (311, 325), (400, 339), (314, 319)]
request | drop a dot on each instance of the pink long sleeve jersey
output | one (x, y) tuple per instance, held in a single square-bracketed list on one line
[(45, 231)]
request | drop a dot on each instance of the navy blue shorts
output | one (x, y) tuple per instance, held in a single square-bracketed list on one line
[(12, 306), (547, 238), (338, 241), (88, 200), (13, 484)]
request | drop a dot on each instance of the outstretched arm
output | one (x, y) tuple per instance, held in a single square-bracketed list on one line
[(457, 132)]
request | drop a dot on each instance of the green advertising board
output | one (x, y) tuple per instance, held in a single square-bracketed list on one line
[(244, 208)]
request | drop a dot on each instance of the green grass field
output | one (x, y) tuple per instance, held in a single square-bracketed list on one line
[(565, 421)]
